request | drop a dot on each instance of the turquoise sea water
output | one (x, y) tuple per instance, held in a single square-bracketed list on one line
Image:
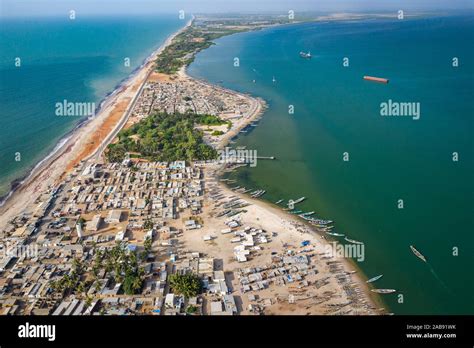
[(79, 60), (390, 158)]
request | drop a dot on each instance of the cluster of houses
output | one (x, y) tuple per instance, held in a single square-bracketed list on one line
[(216, 297), (248, 240), (111, 199), (27, 277), (151, 189), (183, 95)]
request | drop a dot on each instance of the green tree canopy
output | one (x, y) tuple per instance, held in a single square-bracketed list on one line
[(188, 285)]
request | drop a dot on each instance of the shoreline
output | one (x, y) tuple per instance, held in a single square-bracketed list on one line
[(259, 106), (79, 133), (350, 265), (46, 176)]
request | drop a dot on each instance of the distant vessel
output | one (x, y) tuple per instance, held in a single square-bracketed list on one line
[(384, 291), (305, 55), (279, 201), (319, 221), (257, 193), (417, 253), (274, 80), (371, 280), (335, 234), (353, 241), (296, 212), (299, 200), (376, 79)]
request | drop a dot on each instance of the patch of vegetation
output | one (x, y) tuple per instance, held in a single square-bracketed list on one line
[(209, 120), (123, 265), (191, 309), (81, 222), (163, 137), (183, 48), (132, 283), (148, 224), (188, 285), (70, 282), (217, 133)]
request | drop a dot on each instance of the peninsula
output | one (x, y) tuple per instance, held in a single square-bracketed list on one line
[(131, 215)]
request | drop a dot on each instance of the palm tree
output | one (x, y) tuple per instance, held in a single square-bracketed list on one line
[(88, 301)]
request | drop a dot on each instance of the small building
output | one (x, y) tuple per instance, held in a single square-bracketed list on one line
[(216, 308), (229, 304), (120, 236), (219, 275), (114, 217), (150, 234), (79, 230), (94, 224), (169, 301)]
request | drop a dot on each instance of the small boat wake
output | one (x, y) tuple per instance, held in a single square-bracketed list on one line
[(423, 258), (443, 284)]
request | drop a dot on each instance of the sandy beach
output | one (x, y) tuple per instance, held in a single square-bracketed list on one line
[(288, 234)]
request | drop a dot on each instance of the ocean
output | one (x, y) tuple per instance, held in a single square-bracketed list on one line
[(388, 181), (80, 61)]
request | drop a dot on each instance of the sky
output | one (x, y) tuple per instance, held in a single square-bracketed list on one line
[(20, 8)]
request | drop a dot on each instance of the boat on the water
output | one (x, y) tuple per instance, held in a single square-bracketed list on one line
[(305, 54), (299, 200), (258, 193), (352, 241), (296, 212), (335, 234), (279, 201), (384, 291), (308, 213), (417, 253), (371, 280), (320, 221)]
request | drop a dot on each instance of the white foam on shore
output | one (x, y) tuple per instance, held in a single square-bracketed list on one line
[(58, 147)]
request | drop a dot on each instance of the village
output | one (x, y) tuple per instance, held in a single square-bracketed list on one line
[(193, 227), (180, 93), (146, 237)]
